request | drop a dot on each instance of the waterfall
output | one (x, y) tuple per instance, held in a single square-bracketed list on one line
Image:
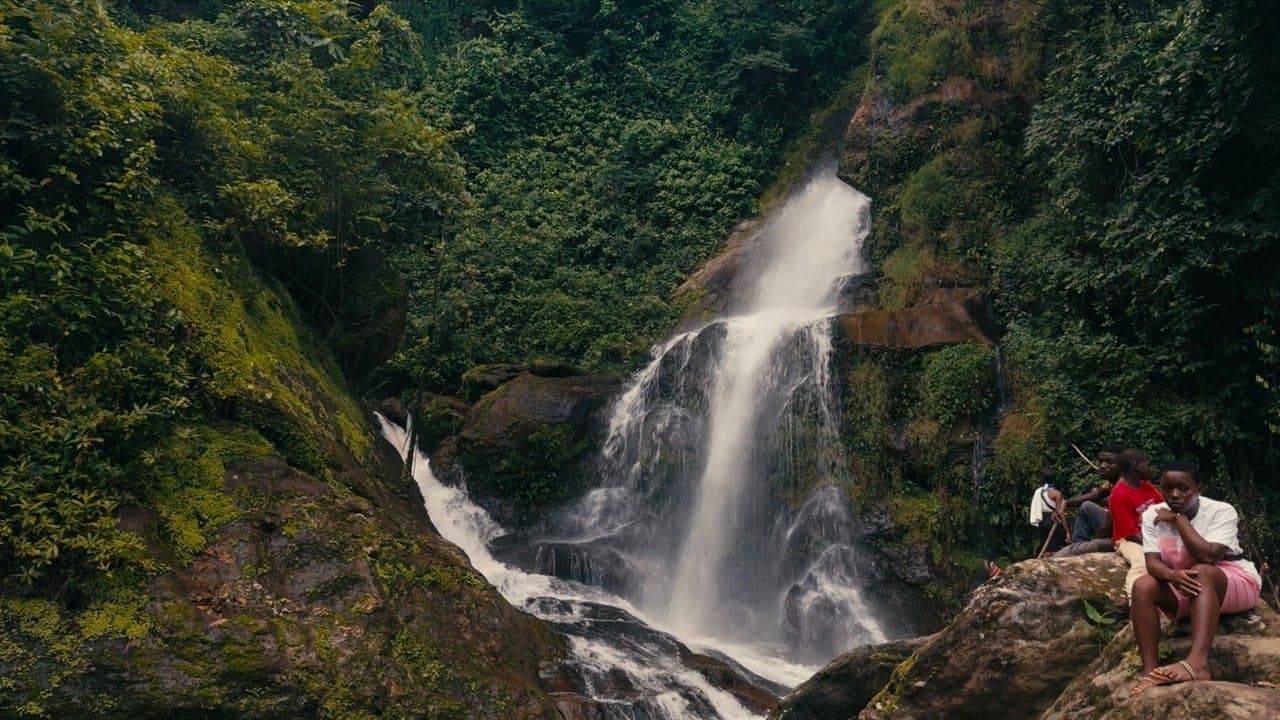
[(719, 472), (636, 672), (718, 519)]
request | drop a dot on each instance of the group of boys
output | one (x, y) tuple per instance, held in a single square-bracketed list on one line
[(1108, 512)]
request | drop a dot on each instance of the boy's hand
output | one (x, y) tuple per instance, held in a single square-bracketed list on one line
[(1165, 515), (1186, 582)]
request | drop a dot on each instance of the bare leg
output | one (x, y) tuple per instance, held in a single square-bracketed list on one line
[(1149, 595), (1205, 609)]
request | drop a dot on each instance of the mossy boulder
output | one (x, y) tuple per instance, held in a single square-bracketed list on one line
[(527, 443), (846, 684)]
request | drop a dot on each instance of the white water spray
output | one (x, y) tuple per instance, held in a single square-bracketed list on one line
[(660, 686)]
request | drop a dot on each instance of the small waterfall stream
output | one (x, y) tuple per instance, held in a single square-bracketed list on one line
[(718, 516)]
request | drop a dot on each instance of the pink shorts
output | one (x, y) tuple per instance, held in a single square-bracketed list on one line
[(1242, 592)]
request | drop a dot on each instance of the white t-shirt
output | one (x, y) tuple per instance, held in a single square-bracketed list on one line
[(1216, 521)]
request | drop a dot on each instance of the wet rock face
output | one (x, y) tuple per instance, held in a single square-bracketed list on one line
[(587, 563), (847, 684), (940, 316)]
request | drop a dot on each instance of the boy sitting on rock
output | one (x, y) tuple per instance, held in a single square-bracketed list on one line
[(1129, 498), (1196, 569)]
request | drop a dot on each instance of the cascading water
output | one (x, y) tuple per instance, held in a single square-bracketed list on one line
[(731, 426), (717, 516), (608, 638)]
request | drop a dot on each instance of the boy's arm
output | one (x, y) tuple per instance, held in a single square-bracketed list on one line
[(1092, 493), (1202, 550), (1059, 506), (1184, 581)]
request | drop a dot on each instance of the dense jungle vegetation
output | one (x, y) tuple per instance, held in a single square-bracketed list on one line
[(204, 202)]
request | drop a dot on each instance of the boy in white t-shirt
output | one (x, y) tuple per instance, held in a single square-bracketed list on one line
[(1195, 568)]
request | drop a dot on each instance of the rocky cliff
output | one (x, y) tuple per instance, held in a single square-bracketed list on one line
[(1047, 639)]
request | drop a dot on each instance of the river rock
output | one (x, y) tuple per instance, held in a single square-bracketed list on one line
[(1020, 641), (846, 684)]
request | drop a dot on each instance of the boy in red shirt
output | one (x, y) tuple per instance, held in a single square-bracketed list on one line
[(1129, 499)]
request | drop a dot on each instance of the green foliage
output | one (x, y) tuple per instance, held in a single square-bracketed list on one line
[(1142, 296), (914, 48), (542, 470), (89, 369), (191, 499), (613, 148), (958, 382), (165, 191)]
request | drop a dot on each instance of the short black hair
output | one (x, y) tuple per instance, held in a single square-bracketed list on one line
[(1184, 466), (1128, 460), (1113, 449)]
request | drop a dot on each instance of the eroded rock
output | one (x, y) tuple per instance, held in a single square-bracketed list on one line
[(941, 316), (847, 684), (1022, 638)]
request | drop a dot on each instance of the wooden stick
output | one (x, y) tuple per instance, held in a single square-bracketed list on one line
[(1066, 535), (1083, 456)]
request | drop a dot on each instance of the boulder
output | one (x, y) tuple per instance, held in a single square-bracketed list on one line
[(847, 684), (940, 316), (508, 416), (483, 379), (526, 444), (1019, 642), (1245, 654)]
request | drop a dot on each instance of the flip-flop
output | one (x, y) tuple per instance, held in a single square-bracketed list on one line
[(1166, 678), (1145, 684)]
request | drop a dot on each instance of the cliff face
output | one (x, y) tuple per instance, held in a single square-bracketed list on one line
[(1042, 641)]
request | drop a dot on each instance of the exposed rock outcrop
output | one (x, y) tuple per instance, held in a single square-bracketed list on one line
[(940, 316), (846, 684), (315, 601), (708, 290), (1026, 646), (1022, 638), (1245, 652)]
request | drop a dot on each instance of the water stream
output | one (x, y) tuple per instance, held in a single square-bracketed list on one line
[(718, 519)]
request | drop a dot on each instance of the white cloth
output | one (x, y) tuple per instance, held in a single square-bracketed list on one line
[(1215, 520), (1041, 504)]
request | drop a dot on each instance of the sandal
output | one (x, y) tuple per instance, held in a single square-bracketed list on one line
[(1167, 676), (1145, 684)]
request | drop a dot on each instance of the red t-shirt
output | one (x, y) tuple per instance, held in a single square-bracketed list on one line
[(1127, 505)]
